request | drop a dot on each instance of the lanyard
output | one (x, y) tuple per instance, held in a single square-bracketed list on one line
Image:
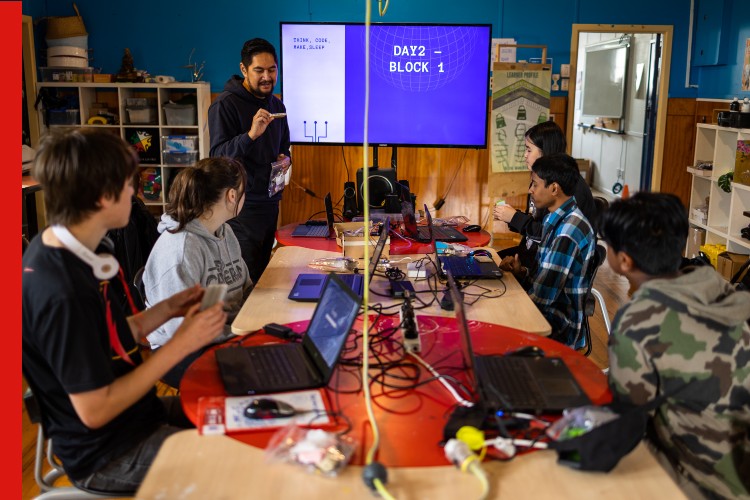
[(114, 339)]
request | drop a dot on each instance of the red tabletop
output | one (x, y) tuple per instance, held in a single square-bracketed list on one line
[(400, 244), (410, 421)]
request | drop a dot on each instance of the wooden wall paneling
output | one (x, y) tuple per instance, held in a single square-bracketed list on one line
[(429, 171), (704, 110), (679, 138), (558, 106)]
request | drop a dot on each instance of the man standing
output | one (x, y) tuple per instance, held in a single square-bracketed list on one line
[(241, 126), (561, 279), (684, 334)]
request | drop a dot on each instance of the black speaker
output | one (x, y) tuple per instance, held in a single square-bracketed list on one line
[(382, 182), (392, 205), (350, 200), (403, 190)]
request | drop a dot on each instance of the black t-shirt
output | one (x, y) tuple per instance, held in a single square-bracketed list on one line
[(66, 350)]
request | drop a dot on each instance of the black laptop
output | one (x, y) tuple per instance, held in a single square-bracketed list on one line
[(463, 267), (422, 234), (308, 287), (293, 366), (315, 228), (518, 383)]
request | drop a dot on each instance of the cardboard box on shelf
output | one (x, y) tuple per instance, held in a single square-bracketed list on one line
[(349, 236), (729, 263), (585, 167)]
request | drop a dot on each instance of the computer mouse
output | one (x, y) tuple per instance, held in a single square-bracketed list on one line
[(527, 350), (268, 408), (472, 228)]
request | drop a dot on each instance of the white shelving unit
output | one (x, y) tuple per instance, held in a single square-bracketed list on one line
[(84, 95), (725, 210)]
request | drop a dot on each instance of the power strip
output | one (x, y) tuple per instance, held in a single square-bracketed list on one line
[(409, 327), (412, 271)]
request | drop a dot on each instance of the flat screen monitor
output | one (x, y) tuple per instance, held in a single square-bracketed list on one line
[(429, 83)]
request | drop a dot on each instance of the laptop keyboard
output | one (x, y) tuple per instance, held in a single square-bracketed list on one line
[(273, 365), (440, 233), (514, 387), (321, 231), (461, 266)]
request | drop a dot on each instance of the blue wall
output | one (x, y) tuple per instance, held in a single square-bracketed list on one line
[(161, 33)]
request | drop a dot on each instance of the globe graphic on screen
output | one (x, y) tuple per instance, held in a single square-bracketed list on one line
[(411, 57)]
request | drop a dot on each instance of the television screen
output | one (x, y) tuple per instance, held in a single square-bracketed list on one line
[(429, 83)]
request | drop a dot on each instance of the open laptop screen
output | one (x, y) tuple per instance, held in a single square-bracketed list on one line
[(330, 324), (467, 352)]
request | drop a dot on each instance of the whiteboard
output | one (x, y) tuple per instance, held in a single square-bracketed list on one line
[(604, 79)]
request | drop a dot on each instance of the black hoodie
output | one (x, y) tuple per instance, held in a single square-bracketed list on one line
[(229, 120)]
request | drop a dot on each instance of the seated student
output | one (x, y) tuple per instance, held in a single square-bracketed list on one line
[(682, 330), (543, 139), (79, 348), (559, 280), (197, 246)]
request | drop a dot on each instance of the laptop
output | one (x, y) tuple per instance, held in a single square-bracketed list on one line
[(421, 233), (317, 230), (292, 366), (518, 383), (464, 267), (309, 287)]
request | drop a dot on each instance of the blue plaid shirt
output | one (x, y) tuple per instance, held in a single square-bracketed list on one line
[(560, 282)]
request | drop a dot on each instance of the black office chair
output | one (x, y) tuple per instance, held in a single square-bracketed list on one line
[(46, 482), (591, 298)]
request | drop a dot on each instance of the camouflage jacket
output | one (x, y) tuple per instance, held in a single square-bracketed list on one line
[(690, 330)]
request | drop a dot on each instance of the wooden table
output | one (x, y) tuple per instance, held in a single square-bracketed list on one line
[(400, 245), (190, 466), (269, 302)]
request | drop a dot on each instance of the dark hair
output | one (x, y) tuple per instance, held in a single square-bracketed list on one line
[(77, 167), (559, 168), (651, 228), (195, 190), (256, 46), (548, 137)]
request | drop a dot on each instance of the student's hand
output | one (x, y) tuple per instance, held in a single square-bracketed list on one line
[(200, 327), (504, 213), (180, 303), (260, 122), (512, 264)]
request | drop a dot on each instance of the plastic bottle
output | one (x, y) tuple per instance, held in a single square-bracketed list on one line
[(734, 105), (746, 105)]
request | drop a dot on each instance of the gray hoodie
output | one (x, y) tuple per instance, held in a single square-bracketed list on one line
[(193, 255)]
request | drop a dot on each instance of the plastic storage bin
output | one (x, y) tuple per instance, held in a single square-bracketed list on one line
[(64, 117), (179, 143), (141, 115), (179, 114), (172, 158), (50, 74)]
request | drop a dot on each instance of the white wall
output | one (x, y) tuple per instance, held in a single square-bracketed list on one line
[(612, 152)]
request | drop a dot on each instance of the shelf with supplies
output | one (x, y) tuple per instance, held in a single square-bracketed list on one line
[(166, 123), (720, 214)]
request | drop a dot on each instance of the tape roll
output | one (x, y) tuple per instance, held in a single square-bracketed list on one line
[(164, 79)]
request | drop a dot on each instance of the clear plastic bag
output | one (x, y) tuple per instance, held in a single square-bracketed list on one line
[(450, 221), (334, 264), (278, 175), (320, 452), (578, 421)]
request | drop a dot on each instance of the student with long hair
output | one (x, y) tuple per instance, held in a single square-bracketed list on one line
[(197, 246), (543, 139)]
